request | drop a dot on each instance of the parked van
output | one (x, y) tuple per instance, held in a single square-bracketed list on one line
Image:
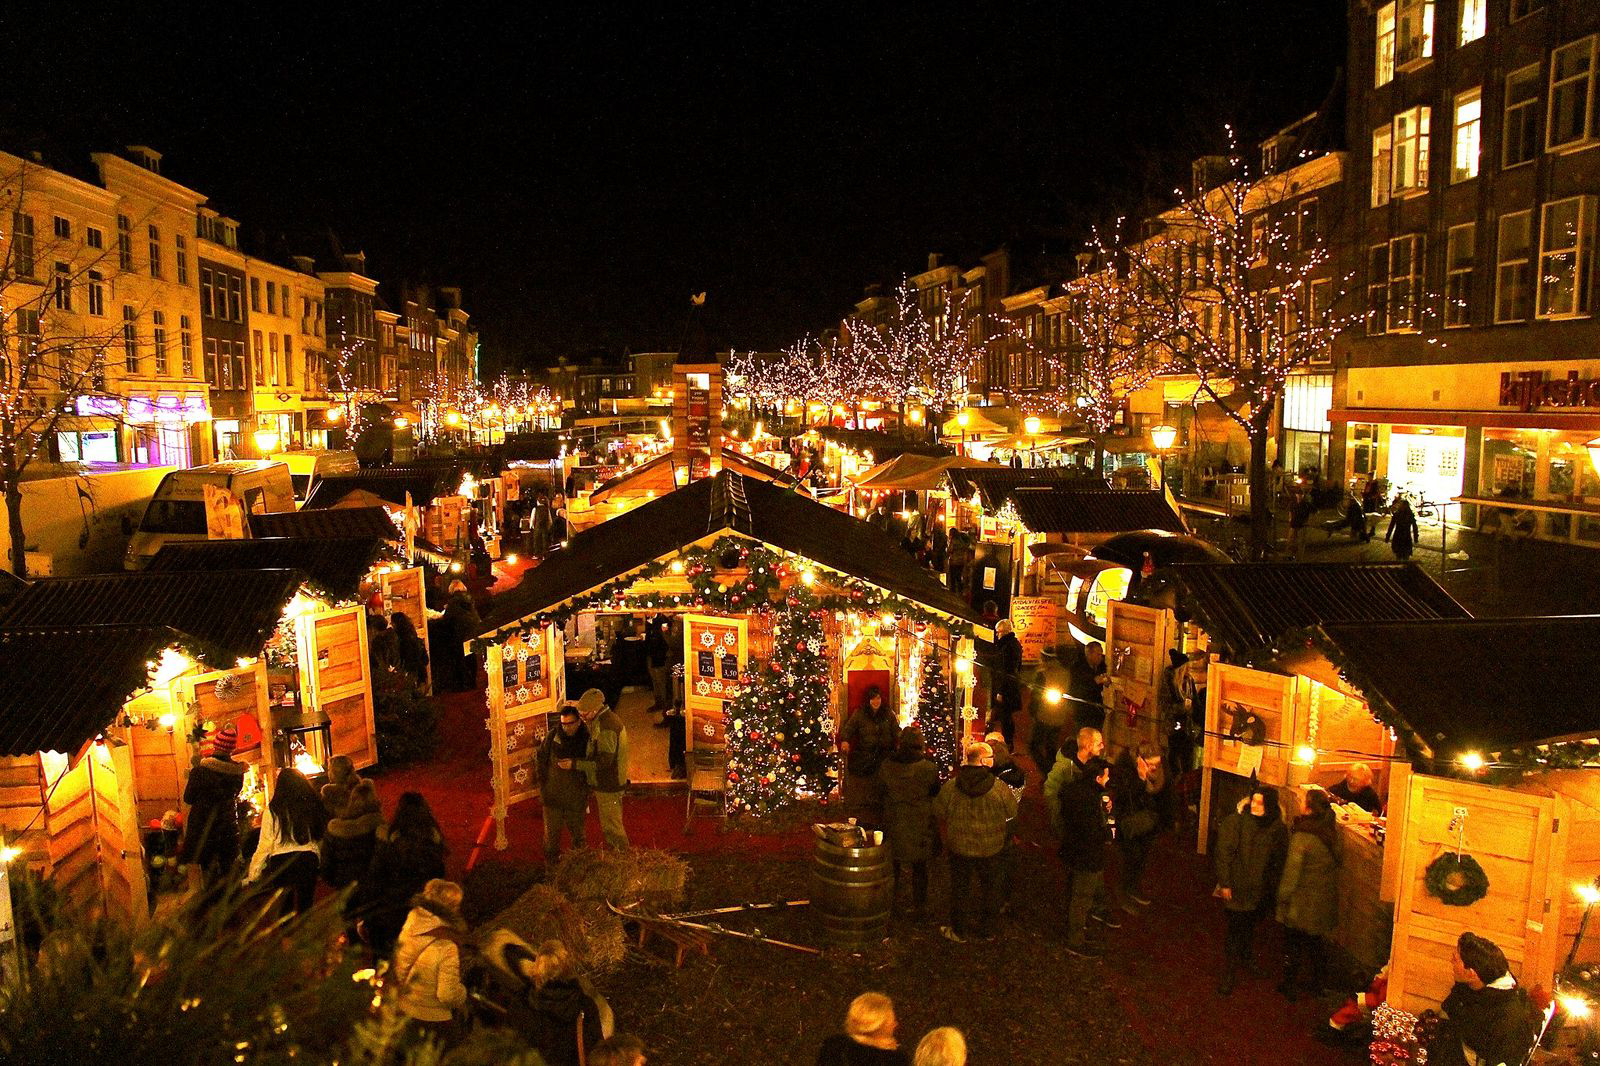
[(178, 511), (76, 518), (307, 468)]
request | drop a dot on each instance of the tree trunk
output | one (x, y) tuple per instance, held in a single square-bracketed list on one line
[(1261, 525), (11, 477), (1100, 454)]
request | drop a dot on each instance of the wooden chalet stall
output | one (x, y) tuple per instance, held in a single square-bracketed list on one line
[(1275, 714), (1499, 721), (718, 554), (654, 478)]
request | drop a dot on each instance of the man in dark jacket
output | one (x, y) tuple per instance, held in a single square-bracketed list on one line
[(1085, 831), (868, 737), (1007, 660), (211, 839), (459, 625), (1491, 1020), (1086, 684), (1251, 846), (563, 788), (974, 808)]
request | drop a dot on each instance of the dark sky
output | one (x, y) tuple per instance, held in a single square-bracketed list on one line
[(581, 169)]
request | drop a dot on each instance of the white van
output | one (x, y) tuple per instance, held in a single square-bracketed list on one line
[(307, 468), (178, 511)]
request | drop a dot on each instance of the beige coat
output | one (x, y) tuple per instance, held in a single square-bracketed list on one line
[(427, 968)]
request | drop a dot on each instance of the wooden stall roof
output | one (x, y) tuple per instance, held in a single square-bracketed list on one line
[(914, 473), (727, 503), (61, 687), (335, 568), (1474, 684), (1244, 607), (1061, 509), (10, 585), (390, 484), (993, 484), (228, 614), (330, 523), (658, 474)]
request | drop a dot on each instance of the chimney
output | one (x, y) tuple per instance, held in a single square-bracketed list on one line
[(146, 157), (304, 263), (933, 260), (356, 262), (450, 297)]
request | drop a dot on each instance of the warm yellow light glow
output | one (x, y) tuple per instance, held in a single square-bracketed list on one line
[(887, 621), (914, 416), (963, 419), (1305, 754), (306, 764), (167, 721), (676, 566), (334, 414), (298, 607), (1593, 448), (1575, 1006), (649, 494), (1588, 892), (402, 422), (511, 560), (1163, 437), (364, 975), (456, 568), (861, 512), (666, 428), (452, 418), (9, 854), (267, 441), (1472, 761), (808, 578), (1052, 696), (173, 664), (963, 665), (1030, 425)]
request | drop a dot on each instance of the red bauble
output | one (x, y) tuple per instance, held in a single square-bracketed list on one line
[(800, 646)]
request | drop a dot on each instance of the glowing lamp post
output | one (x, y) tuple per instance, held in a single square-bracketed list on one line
[(1163, 438), (963, 419), (267, 441), (1031, 426)]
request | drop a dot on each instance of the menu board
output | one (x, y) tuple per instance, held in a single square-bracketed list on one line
[(715, 653), (527, 683), (1034, 620)]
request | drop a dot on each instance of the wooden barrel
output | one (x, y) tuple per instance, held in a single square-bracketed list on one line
[(852, 889)]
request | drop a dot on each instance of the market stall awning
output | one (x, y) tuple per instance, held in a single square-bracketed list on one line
[(1040, 442), (1474, 684), (424, 483), (1246, 607), (978, 425), (729, 503), (994, 483), (909, 472), (333, 523), (61, 687), (334, 568), (659, 476), (1043, 509), (228, 614)]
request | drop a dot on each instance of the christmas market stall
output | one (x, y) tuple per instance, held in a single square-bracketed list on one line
[(657, 477), (1496, 829), (787, 608)]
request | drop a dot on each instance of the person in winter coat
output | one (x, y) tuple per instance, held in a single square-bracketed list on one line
[(1403, 531), (1068, 766), (563, 787), (553, 997), (1308, 895), (869, 1036), (413, 653), (658, 660), (1251, 845), (867, 738), (910, 781), (1007, 664), (1490, 1019), (974, 808), (351, 837), (408, 853), (1085, 832), (460, 623), (341, 780), (383, 648), (605, 764), (1136, 784), (427, 960), (291, 835), (211, 835), (1087, 680)]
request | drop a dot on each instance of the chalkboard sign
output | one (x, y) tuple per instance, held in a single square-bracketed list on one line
[(730, 667), (708, 665), (508, 674), (535, 669)]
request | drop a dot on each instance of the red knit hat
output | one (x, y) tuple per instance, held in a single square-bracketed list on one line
[(224, 740)]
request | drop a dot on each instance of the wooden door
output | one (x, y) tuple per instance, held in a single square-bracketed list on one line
[(1136, 654), (403, 593), (211, 701), (1515, 837), (93, 861), (336, 679)]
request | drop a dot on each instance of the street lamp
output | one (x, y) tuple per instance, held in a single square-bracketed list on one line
[(963, 419), (267, 441), (1030, 426), (1163, 437)]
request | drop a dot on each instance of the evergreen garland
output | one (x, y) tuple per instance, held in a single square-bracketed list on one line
[(935, 717)]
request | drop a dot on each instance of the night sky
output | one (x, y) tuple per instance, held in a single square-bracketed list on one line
[(580, 172)]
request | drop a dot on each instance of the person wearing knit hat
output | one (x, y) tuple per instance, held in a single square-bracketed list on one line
[(606, 766), (211, 835)]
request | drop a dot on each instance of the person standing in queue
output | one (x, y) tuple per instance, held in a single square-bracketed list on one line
[(606, 764), (868, 737)]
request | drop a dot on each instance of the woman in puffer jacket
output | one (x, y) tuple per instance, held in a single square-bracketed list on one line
[(427, 960)]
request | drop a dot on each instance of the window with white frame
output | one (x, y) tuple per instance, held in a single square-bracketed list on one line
[(1406, 259), (1464, 145), (1513, 282), (1572, 88), (1384, 72), (1474, 20), (1458, 259), (1377, 289), (154, 234), (130, 341), (1566, 254), (158, 338), (182, 259), (1409, 171), (22, 254), (1520, 130), (1413, 33), (1382, 153), (63, 289)]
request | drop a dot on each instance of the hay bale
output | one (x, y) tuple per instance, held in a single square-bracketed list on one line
[(592, 932), (636, 876)]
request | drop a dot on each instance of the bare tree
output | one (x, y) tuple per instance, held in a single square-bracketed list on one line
[(921, 354), (57, 340), (1240, 290)]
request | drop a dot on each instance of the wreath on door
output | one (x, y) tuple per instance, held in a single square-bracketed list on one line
[(1456, 880)]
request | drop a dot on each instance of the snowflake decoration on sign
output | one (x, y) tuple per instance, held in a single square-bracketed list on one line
[(508, 653), (521, 775), (716, 686), (538, 690), (722, 653), (703, 688), (523, 652), (707, 637), (522, 694), (519, 729), (707, 728), (730, 638)]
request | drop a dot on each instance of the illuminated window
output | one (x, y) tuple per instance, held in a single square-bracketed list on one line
[(1382, 152), (1406, 260), (130, 341), (1513, 299), (1385, 57), (1465, 145), (1413, 33), (158, 336), (1566, 254), (1458, 277), (1409, 168), (1474, 20), (1572, 90)]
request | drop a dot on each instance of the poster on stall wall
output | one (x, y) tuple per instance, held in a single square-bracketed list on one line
[(715, 651), (527, 681), (224, 514), (1034, 620)]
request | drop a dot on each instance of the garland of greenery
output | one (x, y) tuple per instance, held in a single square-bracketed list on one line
[(712, 587), (1456, 880)]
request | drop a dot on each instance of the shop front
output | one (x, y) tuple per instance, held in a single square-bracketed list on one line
[(1509, 455)]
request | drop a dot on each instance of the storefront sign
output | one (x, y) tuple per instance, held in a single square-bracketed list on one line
[(1034, 620), (1530, 390)]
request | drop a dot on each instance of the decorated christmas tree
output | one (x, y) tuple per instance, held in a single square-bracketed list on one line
[(935, 716), (779, 724)]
